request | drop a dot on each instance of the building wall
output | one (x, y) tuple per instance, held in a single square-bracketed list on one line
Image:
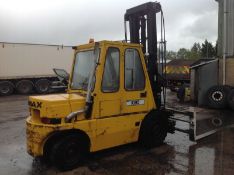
[(229, 71), (229, 28)]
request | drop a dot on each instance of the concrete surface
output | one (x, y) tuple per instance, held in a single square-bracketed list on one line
[(212, 155)]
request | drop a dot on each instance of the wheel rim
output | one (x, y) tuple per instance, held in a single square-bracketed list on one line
[(217, 122), (43, 88), (25, 88), (217, 96), (5, 89)]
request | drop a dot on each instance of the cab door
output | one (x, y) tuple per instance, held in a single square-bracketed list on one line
[(123, 98), (109, 123), (136, 89), (110, 95)]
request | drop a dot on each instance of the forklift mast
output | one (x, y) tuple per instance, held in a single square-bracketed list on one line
[(143, 30)]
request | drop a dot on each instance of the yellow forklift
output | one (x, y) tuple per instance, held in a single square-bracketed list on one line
[(115, 96)]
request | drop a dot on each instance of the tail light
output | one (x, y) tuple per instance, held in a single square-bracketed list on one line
[(46, 120)]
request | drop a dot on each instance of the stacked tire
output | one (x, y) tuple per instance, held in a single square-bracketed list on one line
[(220, 97)]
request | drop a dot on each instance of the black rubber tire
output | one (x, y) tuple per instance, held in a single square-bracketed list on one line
[(42, 86), (153, 129), (6, 88), (24, 86), (68, 152), (217, 97), (231, 99)]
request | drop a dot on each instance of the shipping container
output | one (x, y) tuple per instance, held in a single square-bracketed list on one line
[(24, 67)]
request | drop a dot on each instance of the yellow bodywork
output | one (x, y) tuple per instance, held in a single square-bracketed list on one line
[(112, 121)]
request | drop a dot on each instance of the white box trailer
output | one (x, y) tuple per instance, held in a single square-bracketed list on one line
[(24, 67)]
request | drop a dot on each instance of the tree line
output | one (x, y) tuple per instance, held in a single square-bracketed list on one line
[(197, 51)]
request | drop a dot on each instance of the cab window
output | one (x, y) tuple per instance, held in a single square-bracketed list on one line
[(134, 74), (110, 82)]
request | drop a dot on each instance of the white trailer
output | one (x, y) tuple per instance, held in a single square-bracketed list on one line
[(24, 67)]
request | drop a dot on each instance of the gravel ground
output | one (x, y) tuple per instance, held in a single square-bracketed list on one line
[(211, 155)]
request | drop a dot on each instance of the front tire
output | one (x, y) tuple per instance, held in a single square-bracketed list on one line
[(154, 129), (68, 152)]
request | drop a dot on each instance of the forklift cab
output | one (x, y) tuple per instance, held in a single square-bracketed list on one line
[(123, 85)]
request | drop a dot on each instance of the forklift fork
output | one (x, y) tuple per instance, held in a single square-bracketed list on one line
[(200, 122)]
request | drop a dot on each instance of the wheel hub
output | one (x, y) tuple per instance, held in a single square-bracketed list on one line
[(5, 89), (43, 88), (217, 96), (217, 122)]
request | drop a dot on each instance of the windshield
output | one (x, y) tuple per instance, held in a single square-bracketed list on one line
[(84, 63)]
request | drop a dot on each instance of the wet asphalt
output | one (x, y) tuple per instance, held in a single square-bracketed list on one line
[(213, 155)]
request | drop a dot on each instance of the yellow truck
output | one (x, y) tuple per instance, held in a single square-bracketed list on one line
[(113, 98), (178, 73)]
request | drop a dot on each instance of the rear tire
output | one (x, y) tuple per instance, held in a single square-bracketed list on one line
[(24, 86), (67, 153), (154, 129), (6, 88), (42, 86), (217, 97)]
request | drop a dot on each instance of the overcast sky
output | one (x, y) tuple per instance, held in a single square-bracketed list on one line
[(72, 22)]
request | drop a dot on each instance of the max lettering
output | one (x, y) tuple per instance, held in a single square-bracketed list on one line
[(35, 104)]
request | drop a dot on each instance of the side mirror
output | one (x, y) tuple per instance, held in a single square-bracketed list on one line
[(62, 74)]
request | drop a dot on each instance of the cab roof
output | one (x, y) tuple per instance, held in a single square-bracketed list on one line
[(105, 42)]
